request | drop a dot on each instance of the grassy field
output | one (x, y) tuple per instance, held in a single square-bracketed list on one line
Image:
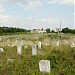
[(62, 57)]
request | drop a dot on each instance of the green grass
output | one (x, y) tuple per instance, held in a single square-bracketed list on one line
[(62, 58)]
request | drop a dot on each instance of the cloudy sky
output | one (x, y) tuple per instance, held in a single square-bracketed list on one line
[(30, 14)]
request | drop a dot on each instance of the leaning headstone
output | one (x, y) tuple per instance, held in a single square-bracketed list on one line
[(39, 45), (57, 43), (72, 44), (21, 42), (44, 66), (21, 37), (16, 42), (1, 50), (0, 39), (25, 47), (47, 44), (19, 47), (65, 41), (12, 45), (8, 40), (34, 50), (8, 44), (10, 61)]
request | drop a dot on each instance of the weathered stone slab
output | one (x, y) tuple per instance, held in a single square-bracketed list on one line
[(44, 66), (19, 47), (72, 44), (1, 50), (39, 45), (57, 43), (34, 50)]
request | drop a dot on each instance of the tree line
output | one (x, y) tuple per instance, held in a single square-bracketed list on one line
[(64, 30), (12, 30), (67, 30), (15, 30)]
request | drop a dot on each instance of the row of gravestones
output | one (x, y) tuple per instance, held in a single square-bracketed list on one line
[(71, 45), (34, 47), (44, 65)]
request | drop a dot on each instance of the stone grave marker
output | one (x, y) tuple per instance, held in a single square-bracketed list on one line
[(39, 45), (44, 66), (66, 41), (21, 42), (72, 44), (34, 50), (10, 61), (0, 39), (25, 47), (16, 41), (57, 43), (19, 47), (47, 44), (1, 50), (12, 45)]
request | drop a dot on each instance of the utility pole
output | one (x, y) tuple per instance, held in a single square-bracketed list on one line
[(60, 28), (60, 34)]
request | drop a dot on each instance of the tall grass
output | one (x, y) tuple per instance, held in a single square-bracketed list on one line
[(62, 58)]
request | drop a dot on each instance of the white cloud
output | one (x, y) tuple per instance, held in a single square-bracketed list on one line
[(30, 22), (8, 19), (9, 1), (4, 19), (1, 8), (66, 2), (27, 4), (30, 4)]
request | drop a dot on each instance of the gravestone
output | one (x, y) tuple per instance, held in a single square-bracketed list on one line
[(10, 61), (25, 47), (21, 42), (12, 45), (39, 45), (72, 44), (8, 44), (8, 40), (19, 47), (44, 66), (65, 41), (34, 50), (0, 39), (1, 50), (47, 44), (57, 43)]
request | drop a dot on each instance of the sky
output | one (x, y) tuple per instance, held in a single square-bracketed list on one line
[(35, 14)]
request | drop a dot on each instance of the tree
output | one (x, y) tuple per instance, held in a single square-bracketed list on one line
[(66, 30), (12, 30), (48, 30)]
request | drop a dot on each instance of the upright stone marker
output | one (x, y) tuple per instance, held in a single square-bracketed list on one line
[(19, 47), (16, 42), (10, 61), (72, 44), (25, 47), (1, 50), (44, 66), (57, 43), (39, 45), (66, 42), (34, 50), (21, 42)]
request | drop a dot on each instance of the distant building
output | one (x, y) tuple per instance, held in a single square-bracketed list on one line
[(57, 29), (38, 31)]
